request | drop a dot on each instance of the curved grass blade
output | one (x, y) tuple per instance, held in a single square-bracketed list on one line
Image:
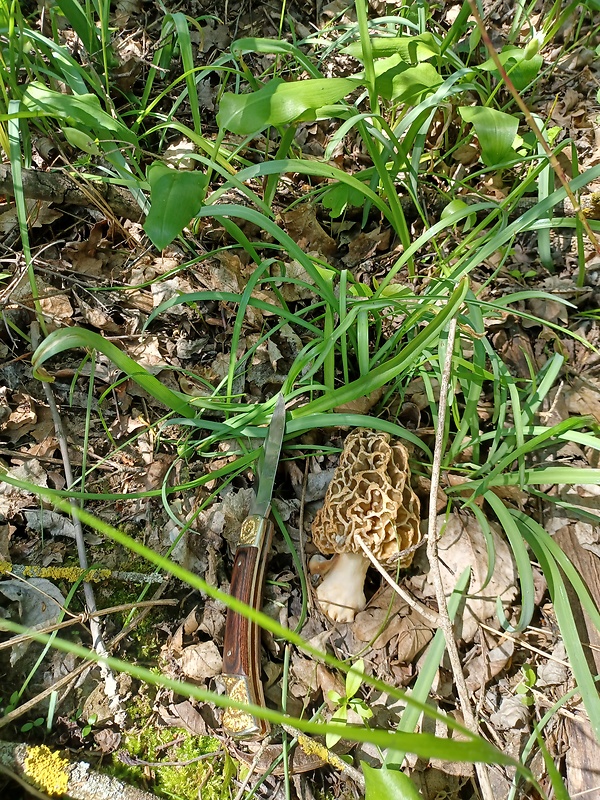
[(567, 624), (69, 338), (522, 562)]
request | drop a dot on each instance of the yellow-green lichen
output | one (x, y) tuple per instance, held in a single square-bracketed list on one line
[(47, 770)]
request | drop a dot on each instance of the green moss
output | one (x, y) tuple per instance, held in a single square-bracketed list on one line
[(207, 778), (185, 781)]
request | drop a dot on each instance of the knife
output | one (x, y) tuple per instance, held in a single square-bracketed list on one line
[(241, 647)]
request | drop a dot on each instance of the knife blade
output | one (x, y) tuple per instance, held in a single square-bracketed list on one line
[(241, 646)]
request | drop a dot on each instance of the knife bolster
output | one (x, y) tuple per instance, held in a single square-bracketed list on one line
[(253, 532)]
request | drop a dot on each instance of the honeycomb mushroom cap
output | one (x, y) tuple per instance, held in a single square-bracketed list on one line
[(370, 498)]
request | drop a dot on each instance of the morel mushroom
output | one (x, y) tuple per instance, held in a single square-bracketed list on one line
[(368, 499)]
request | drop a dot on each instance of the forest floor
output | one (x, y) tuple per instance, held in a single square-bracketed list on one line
[(96, 269)]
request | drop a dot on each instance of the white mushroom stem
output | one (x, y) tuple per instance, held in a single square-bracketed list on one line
[(341, 593)]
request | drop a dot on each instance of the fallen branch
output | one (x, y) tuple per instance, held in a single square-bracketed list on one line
[(74, 574), (61, 189)]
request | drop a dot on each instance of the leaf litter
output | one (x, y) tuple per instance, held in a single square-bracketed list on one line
[(391, 634)]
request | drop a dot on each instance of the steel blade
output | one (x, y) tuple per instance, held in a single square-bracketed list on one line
[(269, 460)]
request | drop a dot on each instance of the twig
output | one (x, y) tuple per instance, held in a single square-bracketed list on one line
[(62, 189), (110, 683), (445, 623), (81, 619), (253, 767), (134, 761), (415, 604), (314, 748), (18, 779), (74, 574), (24, 708)]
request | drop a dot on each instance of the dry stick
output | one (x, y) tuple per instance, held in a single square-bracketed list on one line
[(533, 126), (81, 619), (444, 620), (24, 708), (110, 683), (253, 767), (312, 747), (63, 189), (74, 574), (431, 617)]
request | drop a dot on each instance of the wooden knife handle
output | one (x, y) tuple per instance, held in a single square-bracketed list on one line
[(241, 647)]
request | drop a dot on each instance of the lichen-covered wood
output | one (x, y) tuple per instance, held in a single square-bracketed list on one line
[(56, 776), (368, 499)]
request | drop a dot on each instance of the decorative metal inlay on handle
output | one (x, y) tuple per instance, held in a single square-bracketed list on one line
[(251, 531)]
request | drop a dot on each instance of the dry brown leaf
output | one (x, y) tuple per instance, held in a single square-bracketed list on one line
[(13, 500), (462, 544), (488, 663), (201, 661), (389, 616), (583, 396), (364, 246), (554, 672), (512, 714), (328, 681), (362, 405), (380, 621), (303, 676), (302, 225), (39, 604), (291, 292), (98, 317), (39, 213)]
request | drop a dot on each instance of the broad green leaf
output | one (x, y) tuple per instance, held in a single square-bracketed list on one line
[(340, 716), (495, 130), (81, 140), (339, 196), (176, 197), (415, 83), (522, 65), (459, 205), (354, 678), (393, 78), (390, 784), (411, 49), (69, 338), (279, 103), (82, 108)]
